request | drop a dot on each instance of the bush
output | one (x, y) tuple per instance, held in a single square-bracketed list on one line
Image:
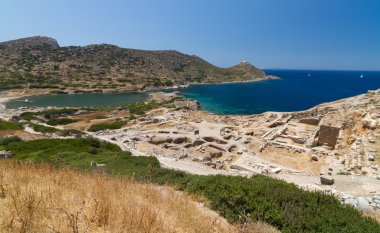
[(69, 132), (57, 92), (43, 129), (7, 125), (60, 121), (104, 126), (28, 116), (67, 111), (7, 140), (32, 115)]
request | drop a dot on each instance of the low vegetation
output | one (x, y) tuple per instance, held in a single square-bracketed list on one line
[(60, 121), (40, 198), (106, 67), (33, 115), (43, 129), (238, 199), (7, 125), (8, 140), (104, 126), (57, 92), (51, 130)]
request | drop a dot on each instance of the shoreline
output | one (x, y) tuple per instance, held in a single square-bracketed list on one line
[(272, 77), (20, 93)]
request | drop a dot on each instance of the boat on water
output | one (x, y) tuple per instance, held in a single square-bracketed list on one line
[(361, 76), (309, 75)]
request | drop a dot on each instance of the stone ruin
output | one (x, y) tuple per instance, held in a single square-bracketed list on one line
[(328, 135), (310, 121)]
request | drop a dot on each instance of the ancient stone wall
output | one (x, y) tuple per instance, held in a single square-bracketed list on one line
[(328, 135)]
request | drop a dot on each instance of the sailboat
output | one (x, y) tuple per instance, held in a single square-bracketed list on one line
[(361, 76), (309, 75)]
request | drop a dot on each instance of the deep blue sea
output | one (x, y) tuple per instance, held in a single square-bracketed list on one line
[(295, 91)]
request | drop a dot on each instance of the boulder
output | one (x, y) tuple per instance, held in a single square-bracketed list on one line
[(189, 104), (376, 199), (207, 158), (326, 180), (216, 154), (95, 164), (180, 140), (363, 204), (276, 170), (371, 157), (6, 154), (351, 201), (198, 142), (159, 140), (314, 158)]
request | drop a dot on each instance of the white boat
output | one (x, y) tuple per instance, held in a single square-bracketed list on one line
[(309, 75), (361, 76)]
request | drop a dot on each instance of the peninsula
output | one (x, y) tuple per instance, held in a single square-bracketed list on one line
[(39, 62)]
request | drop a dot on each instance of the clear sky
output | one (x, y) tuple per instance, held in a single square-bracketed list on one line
[(305, 34)]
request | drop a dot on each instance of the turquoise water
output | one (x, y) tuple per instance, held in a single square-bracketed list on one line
[(82, 100), (295, 91)]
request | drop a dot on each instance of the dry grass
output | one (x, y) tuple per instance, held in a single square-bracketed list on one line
[(20, 133), (39, 198), (373, 214)]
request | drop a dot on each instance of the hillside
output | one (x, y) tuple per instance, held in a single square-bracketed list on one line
[(39, 198), (239, 200), (41, 62)]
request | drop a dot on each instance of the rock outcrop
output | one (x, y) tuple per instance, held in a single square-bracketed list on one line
[(189, 104)]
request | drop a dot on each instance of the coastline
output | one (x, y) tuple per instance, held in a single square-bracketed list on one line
[(20, 93), (271, 77)]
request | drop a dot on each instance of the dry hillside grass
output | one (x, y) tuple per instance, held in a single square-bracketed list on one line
[(39, 198)]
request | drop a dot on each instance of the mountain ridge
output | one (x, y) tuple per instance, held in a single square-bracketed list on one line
[(41, 62)]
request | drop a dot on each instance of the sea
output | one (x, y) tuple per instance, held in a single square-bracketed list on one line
[(295, 90)]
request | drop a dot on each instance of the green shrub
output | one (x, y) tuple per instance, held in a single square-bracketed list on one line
[(7, 125), (60, 121), (67, 111), (104, 126), (43, 129), (69, 132), (7, 140), (57, 92), (32, 115), (28, 116)]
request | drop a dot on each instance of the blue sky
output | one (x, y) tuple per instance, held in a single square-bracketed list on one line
[(303, 34)]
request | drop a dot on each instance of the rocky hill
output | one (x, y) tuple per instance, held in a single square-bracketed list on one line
[(41, 62)]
